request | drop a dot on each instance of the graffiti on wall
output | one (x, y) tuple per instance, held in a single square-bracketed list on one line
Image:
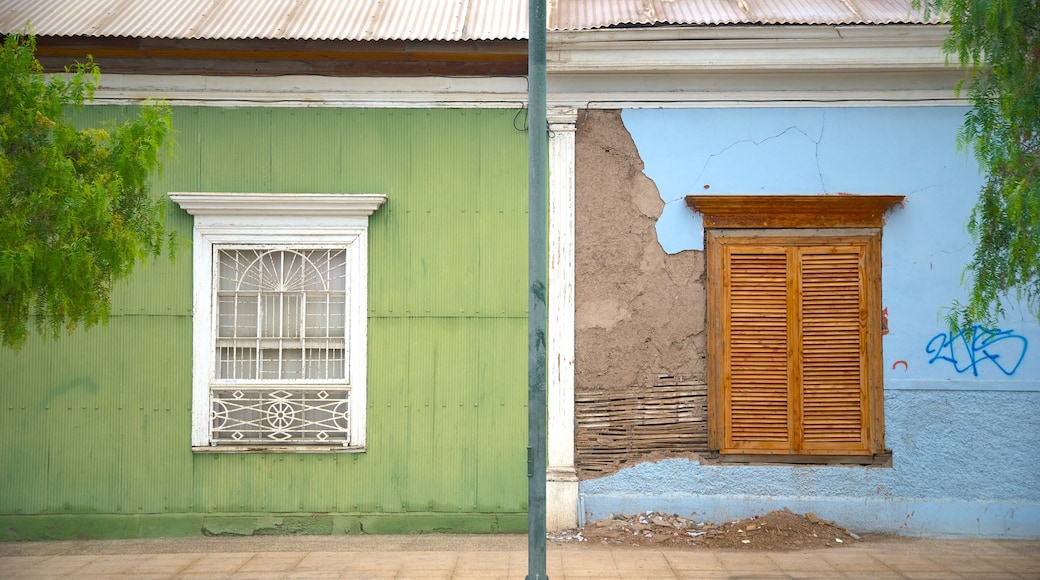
[(967, 351)]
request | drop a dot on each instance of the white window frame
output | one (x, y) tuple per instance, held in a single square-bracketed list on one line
[(278, 220)]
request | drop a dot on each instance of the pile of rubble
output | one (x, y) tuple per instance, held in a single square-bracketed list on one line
[(778, 530)]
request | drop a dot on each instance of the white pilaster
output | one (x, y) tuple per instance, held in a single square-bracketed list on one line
[(561, 477)]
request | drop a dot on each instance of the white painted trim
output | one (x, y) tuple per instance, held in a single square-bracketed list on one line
[(910, 33), (591, 97), (315, 91), (748, 48), (290, 220), (561, 477), (292, 205), (751, 66)]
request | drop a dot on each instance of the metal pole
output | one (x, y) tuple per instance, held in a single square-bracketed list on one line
[(536, 275)]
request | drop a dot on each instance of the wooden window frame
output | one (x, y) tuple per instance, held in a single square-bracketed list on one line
[(795, 222)]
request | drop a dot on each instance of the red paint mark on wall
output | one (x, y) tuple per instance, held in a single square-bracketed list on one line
[(906, 366)]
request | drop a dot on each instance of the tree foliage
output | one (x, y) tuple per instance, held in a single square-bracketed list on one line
[(76, 214), (999, 42)]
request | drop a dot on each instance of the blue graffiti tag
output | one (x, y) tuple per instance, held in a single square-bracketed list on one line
[(964, 353)]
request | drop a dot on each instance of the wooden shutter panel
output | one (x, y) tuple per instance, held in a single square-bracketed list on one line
[(755, 376), (833, 326), (791, 332)]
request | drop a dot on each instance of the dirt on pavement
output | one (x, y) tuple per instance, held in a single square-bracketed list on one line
[(778, 530)]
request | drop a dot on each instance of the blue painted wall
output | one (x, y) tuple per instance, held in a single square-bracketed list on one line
[(960, 418)]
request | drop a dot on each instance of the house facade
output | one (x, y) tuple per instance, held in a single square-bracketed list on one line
[(769, 221), (338, 344)]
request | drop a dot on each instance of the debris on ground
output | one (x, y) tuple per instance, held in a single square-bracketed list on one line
[(777, 530)]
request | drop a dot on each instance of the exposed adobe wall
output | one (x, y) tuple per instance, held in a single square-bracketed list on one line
[(640, 312)]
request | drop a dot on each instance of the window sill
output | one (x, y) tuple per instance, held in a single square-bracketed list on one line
[(277, 449), (878, 460)]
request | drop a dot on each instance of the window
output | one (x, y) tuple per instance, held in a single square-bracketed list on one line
[(280, 327), (794, 324)]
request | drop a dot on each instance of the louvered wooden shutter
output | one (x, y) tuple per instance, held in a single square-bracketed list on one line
[(833, 326), (793, 336), (756, 335)]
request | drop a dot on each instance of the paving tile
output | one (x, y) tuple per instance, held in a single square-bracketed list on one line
[(694, 561), (216, 564), (372, 561), (847, 560), (61, 565), (109, 565), (1018, 564), (802, 562), (325, 561), (600, 566), (963, 564), (164, 564), (417, 574), (701, 574), (744, 562), (484, 562), (908, 563), (639, 556), (553, 571), (20, 566), (935, 576), (813, 575), (1001, 576), (426, 560), (270, 562), (368, 575), (633, 564), (587, 573)]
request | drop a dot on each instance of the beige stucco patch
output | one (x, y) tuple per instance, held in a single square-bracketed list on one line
[(639, 311)]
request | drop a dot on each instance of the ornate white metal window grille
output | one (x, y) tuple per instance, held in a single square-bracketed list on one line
[(281, 341), (286, 416)]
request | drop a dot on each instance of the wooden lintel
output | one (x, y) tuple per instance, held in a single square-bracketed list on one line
[(793, 211)]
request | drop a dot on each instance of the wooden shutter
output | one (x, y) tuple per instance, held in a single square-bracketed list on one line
[(789, 328), (833, 357), (756, 329)]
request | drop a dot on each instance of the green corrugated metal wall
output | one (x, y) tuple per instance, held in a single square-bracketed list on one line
[(99, 422)]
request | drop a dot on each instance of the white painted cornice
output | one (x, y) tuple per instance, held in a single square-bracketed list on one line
[(752, 48), (279, 204), (752, 66), (313, 90)]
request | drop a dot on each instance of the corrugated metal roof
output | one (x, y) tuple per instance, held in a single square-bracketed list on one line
[(567, 15), (417, 19), (271, 19)]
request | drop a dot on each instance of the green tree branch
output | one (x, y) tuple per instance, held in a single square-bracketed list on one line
[(999, 43), (77, 210)]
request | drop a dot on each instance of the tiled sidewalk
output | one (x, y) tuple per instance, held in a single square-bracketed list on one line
[(502, 556)]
